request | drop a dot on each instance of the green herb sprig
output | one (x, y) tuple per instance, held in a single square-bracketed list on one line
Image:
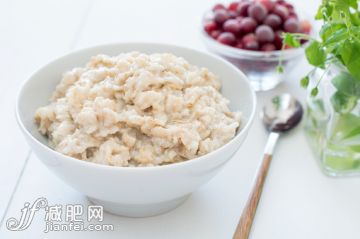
[(339, 42)]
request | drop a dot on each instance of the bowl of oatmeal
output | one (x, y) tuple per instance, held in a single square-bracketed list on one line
[(136, 127)]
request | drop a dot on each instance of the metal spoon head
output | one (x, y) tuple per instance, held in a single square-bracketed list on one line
[(282, 113)]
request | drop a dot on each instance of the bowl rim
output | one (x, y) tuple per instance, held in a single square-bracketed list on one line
[(242, 131)]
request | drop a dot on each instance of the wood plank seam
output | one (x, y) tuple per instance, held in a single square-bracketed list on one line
[(15, 187)]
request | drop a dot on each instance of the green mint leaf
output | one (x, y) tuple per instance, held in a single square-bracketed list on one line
[(314, 92), (350, 52), (337, 36), (343, 103), (319, 14), (291, 40), (276, 102), (305, 82), (353, 133), (351, 3), (328, 10), (280, 69), (315, 54), (346, 84), (322, 11), (355, 18), (328, 29), (343, 5)]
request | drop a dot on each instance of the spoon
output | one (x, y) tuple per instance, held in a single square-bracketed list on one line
[(279, 115)]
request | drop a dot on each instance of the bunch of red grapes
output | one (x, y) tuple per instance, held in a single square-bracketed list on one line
[(255, 25)]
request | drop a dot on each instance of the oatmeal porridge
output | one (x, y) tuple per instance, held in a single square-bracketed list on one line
[(136, 109)]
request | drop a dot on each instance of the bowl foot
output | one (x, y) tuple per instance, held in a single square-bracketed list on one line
[(139, 210), (264, 82)]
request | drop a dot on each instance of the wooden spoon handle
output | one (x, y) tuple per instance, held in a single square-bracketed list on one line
[(248, 214)]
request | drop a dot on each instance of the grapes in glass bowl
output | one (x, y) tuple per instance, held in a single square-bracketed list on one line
[(249, 33)]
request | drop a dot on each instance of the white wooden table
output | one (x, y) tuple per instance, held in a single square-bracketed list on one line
[(298, 200)]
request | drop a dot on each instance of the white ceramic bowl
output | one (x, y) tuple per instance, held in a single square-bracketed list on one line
[(142, 191)]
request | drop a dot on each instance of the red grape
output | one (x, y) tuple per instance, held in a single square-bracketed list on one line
[(214, 34), (278, 39), (264, 34), (253, 46), (269, 4), (257, 11), (239, 18), (292, 25), (232, 26), (305, 26), (250, 42), (232, 14), (239, 45), (210, 26), (247, 25), (303, 41), (243, 8), (226, 38), (288, 6), (281, 11), (233, 6), (274, 21), (293, 15), (218, 7), (268, 47), (220, 16), (248, 38)]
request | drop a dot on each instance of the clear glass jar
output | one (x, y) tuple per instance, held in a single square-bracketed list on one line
[(334, 137)]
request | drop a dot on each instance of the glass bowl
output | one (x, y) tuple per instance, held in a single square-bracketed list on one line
[(259, 67)]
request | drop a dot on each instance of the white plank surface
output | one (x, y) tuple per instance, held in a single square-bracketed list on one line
[(32, 33), (170, 21), (298, 200)]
